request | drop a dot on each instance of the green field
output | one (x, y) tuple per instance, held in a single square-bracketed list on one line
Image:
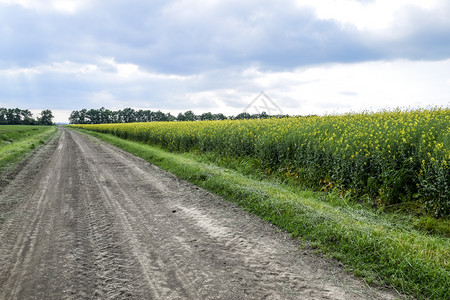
[(393, 159), (336, 182), (17, 141)]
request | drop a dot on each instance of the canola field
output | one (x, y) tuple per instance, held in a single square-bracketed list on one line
[(391, 158)]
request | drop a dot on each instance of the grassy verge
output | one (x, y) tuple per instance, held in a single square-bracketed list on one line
[(380, 248), (16, 144), (18, 141), (252, 168)]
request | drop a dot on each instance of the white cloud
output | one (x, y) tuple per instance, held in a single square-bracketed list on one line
[(365, 15), (361, 86), (62, 68), (67, 6), (333, 88), (102, 66), (60, 116), (61, 6), (309, 56)]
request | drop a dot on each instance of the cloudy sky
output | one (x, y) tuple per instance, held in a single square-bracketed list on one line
[(308, 56)]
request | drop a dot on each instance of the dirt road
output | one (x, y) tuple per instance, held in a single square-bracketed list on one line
[(93, 222)]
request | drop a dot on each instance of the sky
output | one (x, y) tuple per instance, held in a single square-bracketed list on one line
[(307, 56)]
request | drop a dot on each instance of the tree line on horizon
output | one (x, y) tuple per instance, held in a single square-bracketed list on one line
[(17, 116), (129, 115)]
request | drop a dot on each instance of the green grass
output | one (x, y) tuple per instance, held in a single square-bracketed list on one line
[(251, 167), (396, 159), (18, 141), (384, 249)]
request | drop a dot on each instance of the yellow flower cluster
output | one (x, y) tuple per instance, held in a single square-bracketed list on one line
[(391, 156)]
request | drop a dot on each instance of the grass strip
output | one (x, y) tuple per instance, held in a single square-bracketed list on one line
[(21, 145), (370, 245)]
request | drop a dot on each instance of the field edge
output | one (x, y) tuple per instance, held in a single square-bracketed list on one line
[(12, 155), (383, 256), (16, 158)]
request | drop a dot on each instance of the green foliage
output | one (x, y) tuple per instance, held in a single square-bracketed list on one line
[(17, 116), (46, 117), (129, 115), (17, 141), (432, 226), (126, 115), (392, 158), (384, 249)]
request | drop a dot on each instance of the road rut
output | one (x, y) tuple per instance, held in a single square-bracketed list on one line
[(93, 222)]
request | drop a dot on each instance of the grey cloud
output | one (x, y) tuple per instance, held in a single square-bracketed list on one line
[(422, 35), (169, 37), (214, 40)]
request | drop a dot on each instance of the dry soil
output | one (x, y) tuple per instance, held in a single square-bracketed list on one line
[(85, 220)]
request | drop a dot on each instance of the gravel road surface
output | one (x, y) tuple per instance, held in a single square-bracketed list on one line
[(85, 220)]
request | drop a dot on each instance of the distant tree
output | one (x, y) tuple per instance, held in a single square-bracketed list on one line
[(127, 115), (220, 116), (9, 116), (206, 116), (82, 116), (170, 118), (114, 117), (103, 115), (46, 117), (15, 116), (27, 117), (181, 117), (242, 116), (74, 117), (141, 116), (263, 115), (190, 116), (3, 117), (159, 116), (93, 116)]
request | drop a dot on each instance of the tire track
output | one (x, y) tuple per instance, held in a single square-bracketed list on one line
[(98, 223), (97, 251)]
